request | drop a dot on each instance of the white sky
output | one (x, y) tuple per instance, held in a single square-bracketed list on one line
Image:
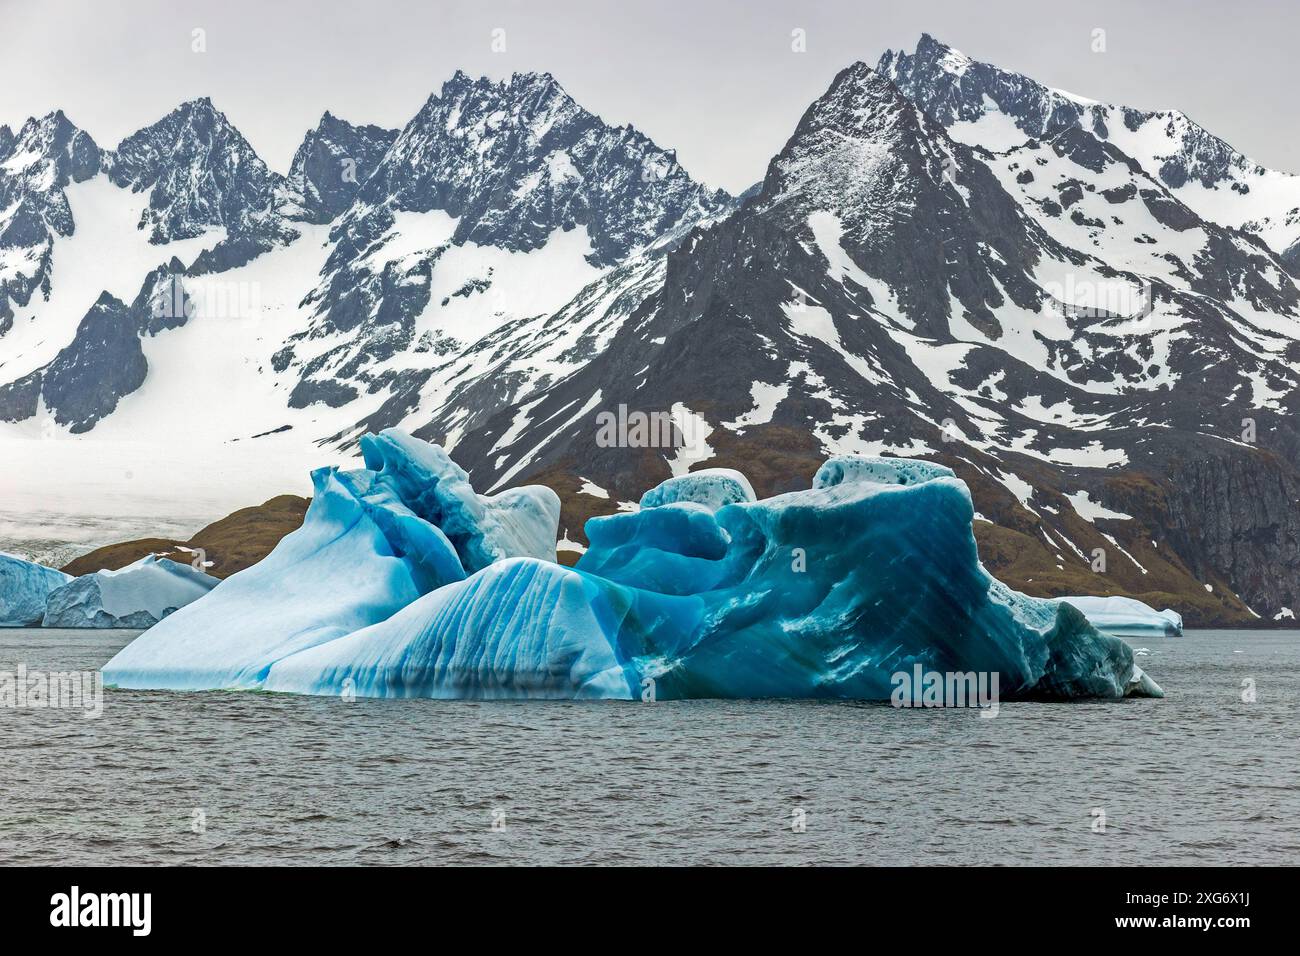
[(714, 79)]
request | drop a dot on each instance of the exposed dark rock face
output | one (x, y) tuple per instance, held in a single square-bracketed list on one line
[(327, 392), (1238, 515), (103, 363), (1291, 258), (20, 399), (331, 164), (230, 254)]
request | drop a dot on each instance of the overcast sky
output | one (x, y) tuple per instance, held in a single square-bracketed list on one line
[(715, 79)]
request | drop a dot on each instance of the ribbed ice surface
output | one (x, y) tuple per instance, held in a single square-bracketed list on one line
[(24, 588)]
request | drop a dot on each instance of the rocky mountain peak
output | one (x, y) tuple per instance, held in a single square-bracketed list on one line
[(329, 167), (202, 171), (47, 153), (860, 151), (517, 159)]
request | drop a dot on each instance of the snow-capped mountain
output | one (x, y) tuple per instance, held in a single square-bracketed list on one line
[(498, 201), (200, 173), (983, 105), (1052, 321), (35, 167), (945, 260)]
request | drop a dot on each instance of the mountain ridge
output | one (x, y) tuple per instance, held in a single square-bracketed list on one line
[(1053, 319)]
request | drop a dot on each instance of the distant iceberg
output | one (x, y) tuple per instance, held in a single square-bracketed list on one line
[(1123, 615), (24, 588), (138, 595), (403, 582)]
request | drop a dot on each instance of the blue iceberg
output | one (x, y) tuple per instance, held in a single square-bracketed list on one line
[(138, 595), (1124, 615), (373, 541), (403, 582), (24, 589)]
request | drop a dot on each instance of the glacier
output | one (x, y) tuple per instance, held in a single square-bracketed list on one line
[(138, 595), (1124, 615), (24, 589), (403, 582)]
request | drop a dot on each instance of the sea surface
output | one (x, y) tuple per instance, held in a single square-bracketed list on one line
[(1201, 777)]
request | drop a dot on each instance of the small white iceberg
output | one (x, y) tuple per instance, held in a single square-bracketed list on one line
[(138, 595), (1124, 615)]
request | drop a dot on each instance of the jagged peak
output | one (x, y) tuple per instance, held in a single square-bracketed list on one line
[(198, 106), (197, 119), (55, 121), (952, 87), (929, 51), (330, 122), (951, 57), (860, 102), (533, 78), (517, 85), (849, 140), (48, 149)]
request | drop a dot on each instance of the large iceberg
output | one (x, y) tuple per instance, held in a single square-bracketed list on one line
[(403, 582), (373, 541), (24, 589), (138, 595), (1124, 615)]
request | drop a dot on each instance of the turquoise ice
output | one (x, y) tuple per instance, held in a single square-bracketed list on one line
[(403, 582), (24, 588)]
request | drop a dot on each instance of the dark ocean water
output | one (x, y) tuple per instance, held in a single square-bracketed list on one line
[(1201, 777)]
